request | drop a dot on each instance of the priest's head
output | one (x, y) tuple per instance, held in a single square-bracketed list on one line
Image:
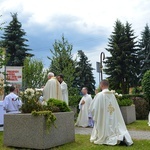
[(104, 84), (84, 90), (50, 75), (60, 78)]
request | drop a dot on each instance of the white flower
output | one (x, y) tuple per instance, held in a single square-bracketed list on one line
[(29, 93), (44, 103), (120, 95), (37, 93), (5, 85), (39, 90), (116, 94), (21, 93), (113, 91)]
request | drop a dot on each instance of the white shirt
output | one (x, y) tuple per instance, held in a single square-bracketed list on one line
[(12, 103), (64, 90)]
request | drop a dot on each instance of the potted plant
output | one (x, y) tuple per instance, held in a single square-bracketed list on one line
[(39, 126), (127, 108)]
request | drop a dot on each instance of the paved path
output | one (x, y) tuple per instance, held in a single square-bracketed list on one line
[(141, 135)]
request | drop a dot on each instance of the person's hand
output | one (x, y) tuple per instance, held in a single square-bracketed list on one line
[(83, 102)]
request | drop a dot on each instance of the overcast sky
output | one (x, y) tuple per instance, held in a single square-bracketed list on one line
[(87, 24)]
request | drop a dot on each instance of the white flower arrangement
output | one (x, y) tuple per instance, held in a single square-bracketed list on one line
[(116, 94), (29, 93)]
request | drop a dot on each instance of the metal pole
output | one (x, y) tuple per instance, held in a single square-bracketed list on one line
[(102, 57)]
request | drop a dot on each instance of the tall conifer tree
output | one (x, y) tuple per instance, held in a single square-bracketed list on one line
[(15, 43), (122, 66), (85, 76), (144, 51)]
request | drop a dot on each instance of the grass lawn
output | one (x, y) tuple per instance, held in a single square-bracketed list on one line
[(82, 141), (139, 125)]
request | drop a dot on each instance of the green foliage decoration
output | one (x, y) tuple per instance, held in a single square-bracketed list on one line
[(49, 116)]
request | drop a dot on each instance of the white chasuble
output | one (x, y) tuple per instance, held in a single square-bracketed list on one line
[(109, 127), (52, 89), (83, 117)]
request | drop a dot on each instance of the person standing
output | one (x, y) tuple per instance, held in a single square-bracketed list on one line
[(84, 118), (12, 103), (52, 88), (109, 127), (64, 88)]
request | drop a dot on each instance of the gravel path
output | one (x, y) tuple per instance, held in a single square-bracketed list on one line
[(140, 135)]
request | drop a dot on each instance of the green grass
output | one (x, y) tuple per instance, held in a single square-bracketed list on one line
[(139, 125), (82, 141), (1, 143)]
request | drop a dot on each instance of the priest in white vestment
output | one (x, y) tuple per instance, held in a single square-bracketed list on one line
[(64, 88), (52, 88), (109, 127), (83, 117)]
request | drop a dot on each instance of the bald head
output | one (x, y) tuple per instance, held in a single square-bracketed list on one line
[(104, 84), (84, 90), (50, 75)]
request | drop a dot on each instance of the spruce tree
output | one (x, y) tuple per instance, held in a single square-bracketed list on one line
[(15, 43), (144, 51), (122, 65), (85, 76), (62, 62)]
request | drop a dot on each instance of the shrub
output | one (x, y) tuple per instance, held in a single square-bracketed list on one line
[(74, 100), (125, 102), (141, 107), (137, 90), (146, 84), (55, 105)]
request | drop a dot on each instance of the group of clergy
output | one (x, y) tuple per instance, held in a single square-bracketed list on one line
[(55, 88), (104, 114)]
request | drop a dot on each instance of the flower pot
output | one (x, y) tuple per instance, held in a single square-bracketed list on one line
[(128, 113), (28, 131)]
